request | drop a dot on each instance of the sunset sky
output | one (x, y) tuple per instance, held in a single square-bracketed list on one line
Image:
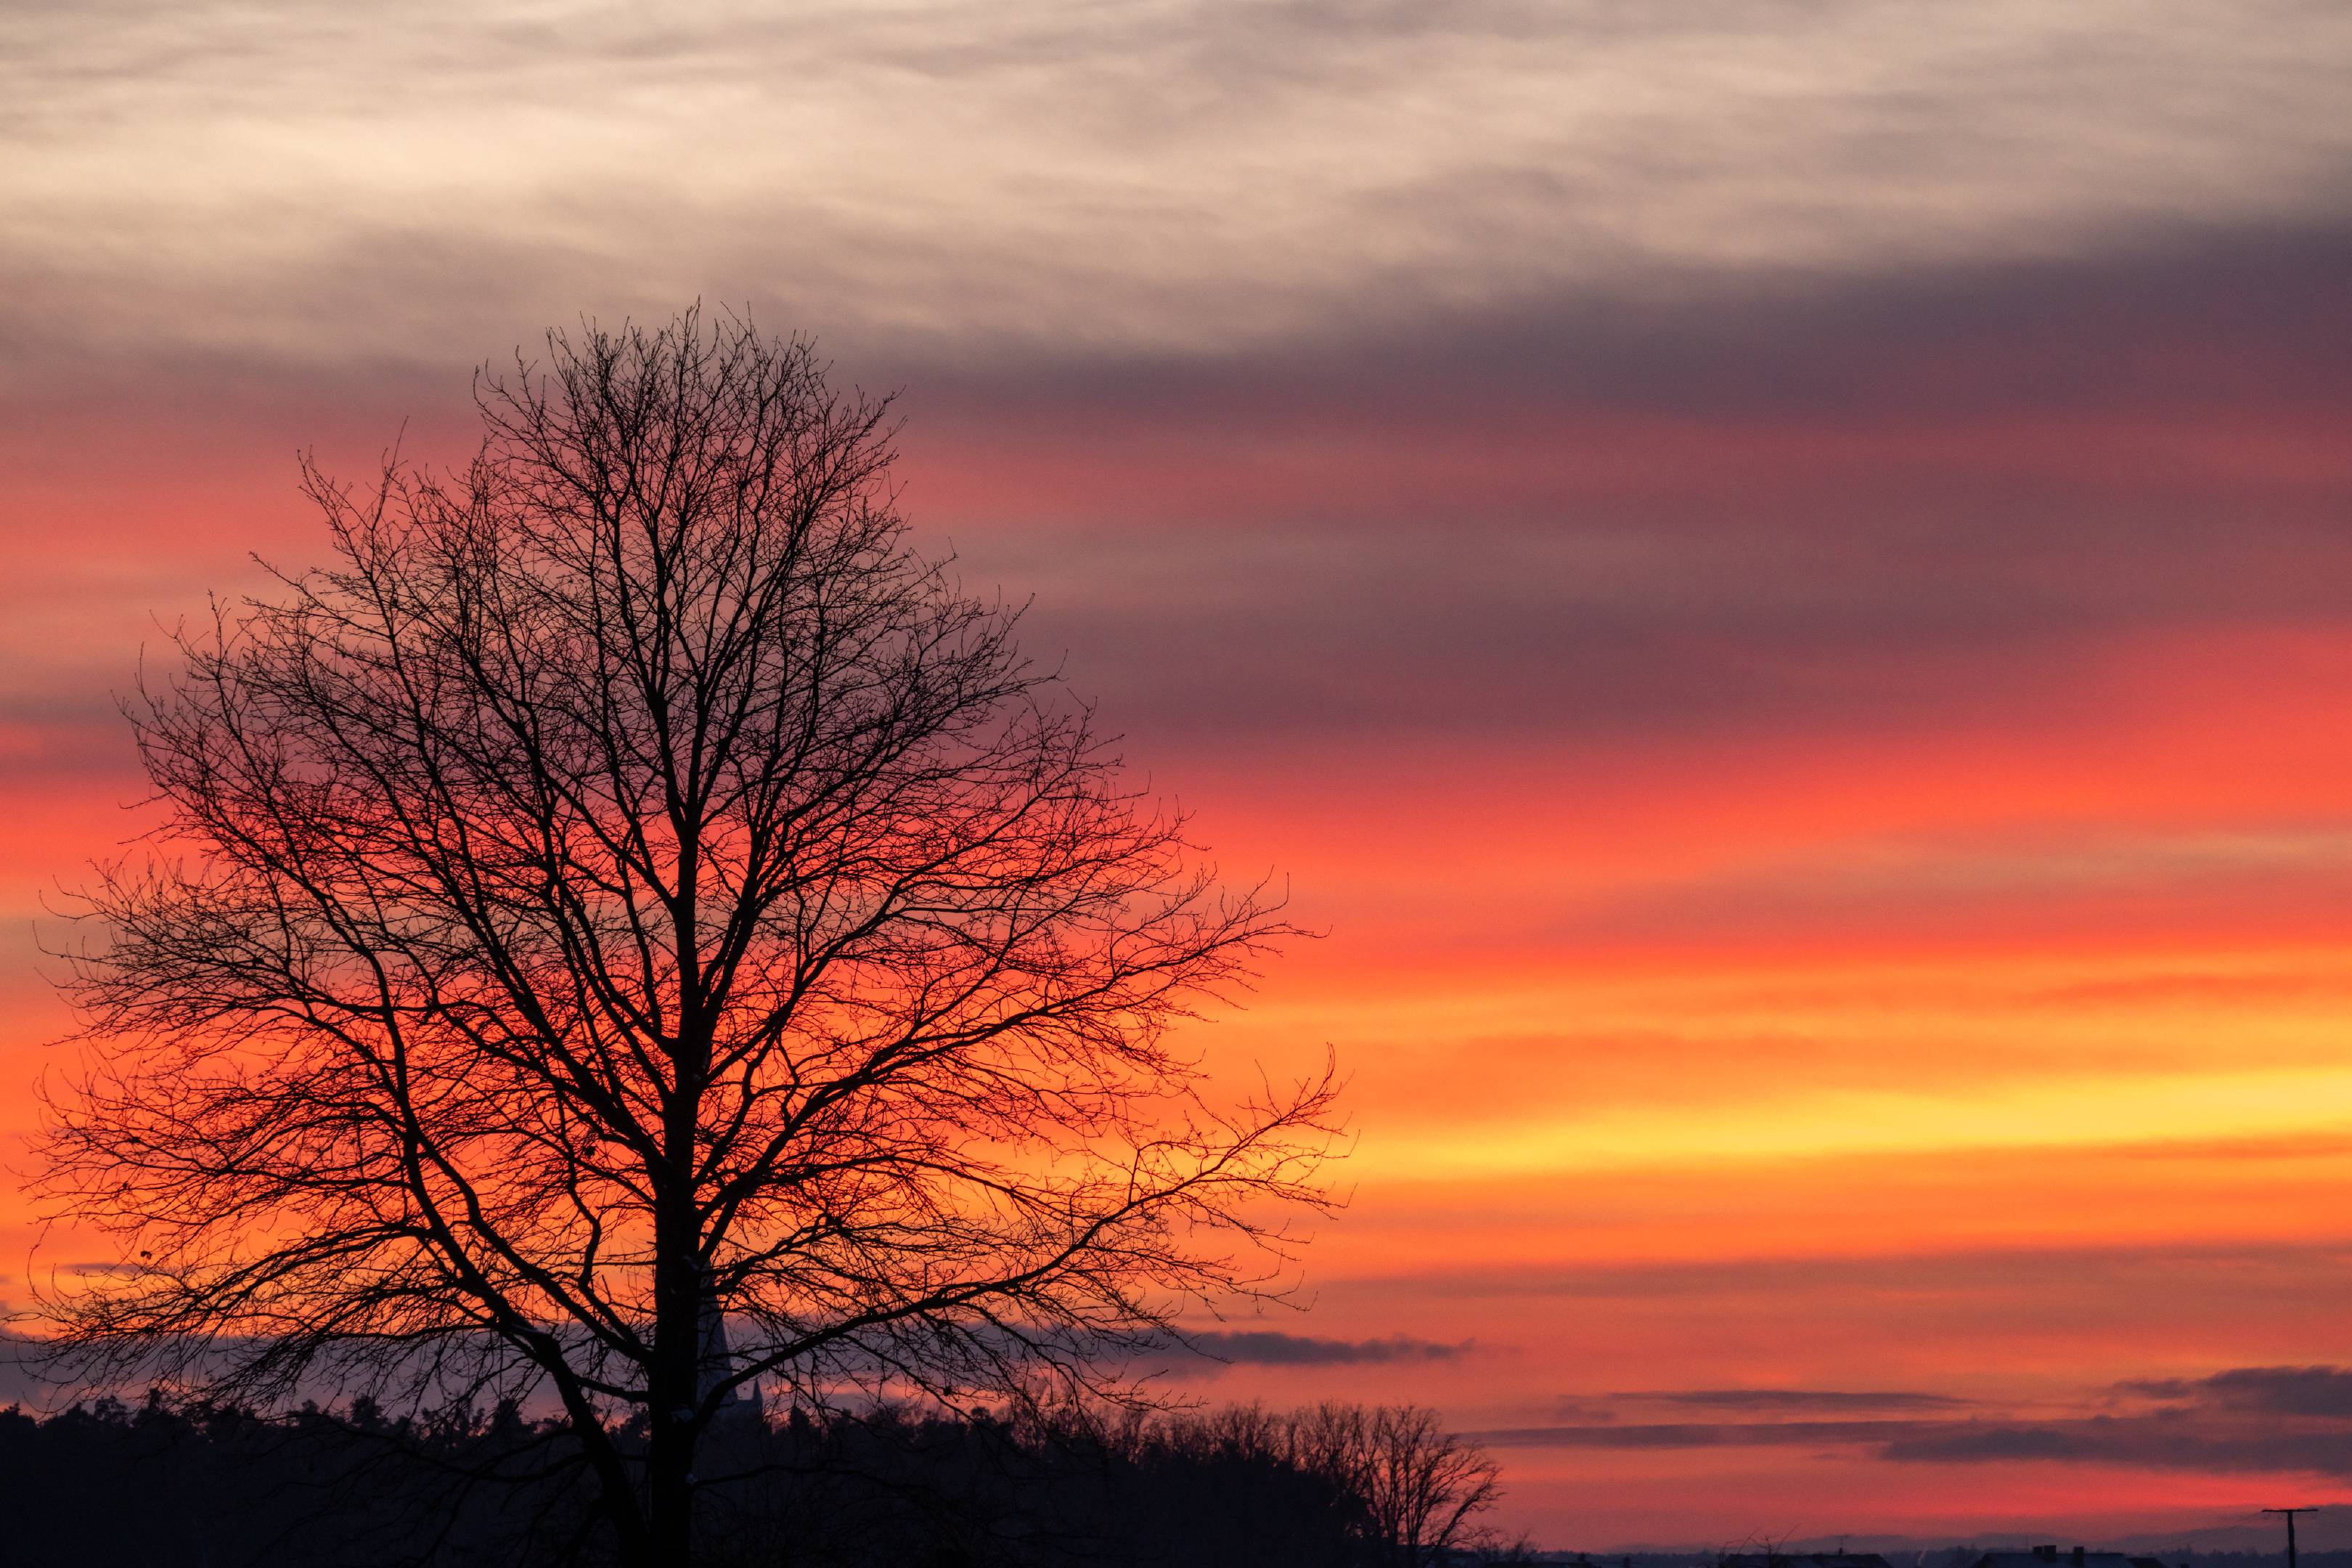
[(1776, 577)]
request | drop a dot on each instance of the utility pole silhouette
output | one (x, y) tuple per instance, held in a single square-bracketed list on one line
[(2290, 1513)]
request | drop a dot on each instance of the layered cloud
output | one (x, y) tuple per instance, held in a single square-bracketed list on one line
[(303, 180), (1794, 1401), (1245, 1347), (2262, 1390), (2289, 1421)]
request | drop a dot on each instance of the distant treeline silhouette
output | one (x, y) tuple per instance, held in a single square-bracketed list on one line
[(205, 1487)]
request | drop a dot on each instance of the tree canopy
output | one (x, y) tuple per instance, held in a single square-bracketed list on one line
[(633, 932)]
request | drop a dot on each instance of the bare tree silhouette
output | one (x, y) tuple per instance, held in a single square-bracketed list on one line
[(632, 929), (1420, 1486)]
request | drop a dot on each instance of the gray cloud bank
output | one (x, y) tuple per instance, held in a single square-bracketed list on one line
[(306, 181), (1259, 1348), (1219, 1348), (1804, 507), (2273, 1419), (2263, 1390), (1766, 1400)]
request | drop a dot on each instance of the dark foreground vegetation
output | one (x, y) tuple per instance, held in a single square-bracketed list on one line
[(1332, 1486)]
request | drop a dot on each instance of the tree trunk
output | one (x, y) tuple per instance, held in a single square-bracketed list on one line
[(670, 1459), (670, 1543), (674, 1387)]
